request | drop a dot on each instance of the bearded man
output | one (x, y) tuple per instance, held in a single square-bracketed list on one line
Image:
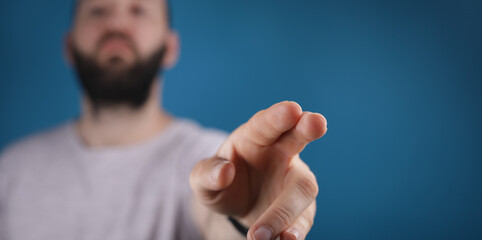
[(126, 169)]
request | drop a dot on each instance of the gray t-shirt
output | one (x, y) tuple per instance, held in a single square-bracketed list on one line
[(54, 187)]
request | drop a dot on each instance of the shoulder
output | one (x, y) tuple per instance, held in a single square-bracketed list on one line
[(202, 140), (32, 147)]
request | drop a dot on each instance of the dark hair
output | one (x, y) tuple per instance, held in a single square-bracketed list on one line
[(168, 11)]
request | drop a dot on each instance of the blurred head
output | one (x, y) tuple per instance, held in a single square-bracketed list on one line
[(117, 48)]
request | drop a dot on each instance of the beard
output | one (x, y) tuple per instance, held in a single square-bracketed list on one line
[(109, 85)]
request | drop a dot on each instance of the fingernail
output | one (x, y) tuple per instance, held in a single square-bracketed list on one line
[(263, 233), (217, 169), (294, 232)]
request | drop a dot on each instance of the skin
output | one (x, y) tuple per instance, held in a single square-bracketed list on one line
[(256, 176)]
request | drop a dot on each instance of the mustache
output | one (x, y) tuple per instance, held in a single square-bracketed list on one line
[(116, 35)]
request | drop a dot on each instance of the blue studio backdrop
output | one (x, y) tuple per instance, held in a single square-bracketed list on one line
[(400, 83)]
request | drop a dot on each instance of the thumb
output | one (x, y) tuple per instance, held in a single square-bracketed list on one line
[(210, 177)]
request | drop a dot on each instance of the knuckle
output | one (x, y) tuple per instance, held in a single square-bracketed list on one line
[(284, 214), (307, 222), (256, 125), (308, 186)]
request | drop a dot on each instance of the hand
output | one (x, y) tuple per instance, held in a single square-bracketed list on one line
[(258, 177)]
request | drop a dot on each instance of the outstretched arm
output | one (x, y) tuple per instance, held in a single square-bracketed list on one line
[(258, 178)]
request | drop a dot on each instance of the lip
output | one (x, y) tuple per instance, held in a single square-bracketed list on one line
[(115, 44)]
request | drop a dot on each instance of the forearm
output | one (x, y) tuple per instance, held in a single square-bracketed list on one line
[(214, 226)]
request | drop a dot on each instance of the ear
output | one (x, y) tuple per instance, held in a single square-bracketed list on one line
[(68, 45), (172, 50)]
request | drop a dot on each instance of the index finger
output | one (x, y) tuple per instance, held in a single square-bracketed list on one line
[(266, 126)]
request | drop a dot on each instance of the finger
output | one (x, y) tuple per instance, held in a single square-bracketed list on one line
[(210, 176), (302, 225), (267, 125), (299, 193), (310, 127)]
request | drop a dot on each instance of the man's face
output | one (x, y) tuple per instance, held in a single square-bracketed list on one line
[(117, 33), (117, 47)]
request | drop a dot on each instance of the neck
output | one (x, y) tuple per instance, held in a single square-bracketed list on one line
[(122, 125)]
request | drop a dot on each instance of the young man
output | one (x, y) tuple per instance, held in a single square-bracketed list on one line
[(123, 169)]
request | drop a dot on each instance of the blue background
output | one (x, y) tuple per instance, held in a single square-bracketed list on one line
[(400, 83)]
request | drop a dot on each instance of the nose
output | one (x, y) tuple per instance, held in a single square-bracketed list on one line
[(117, 21)]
